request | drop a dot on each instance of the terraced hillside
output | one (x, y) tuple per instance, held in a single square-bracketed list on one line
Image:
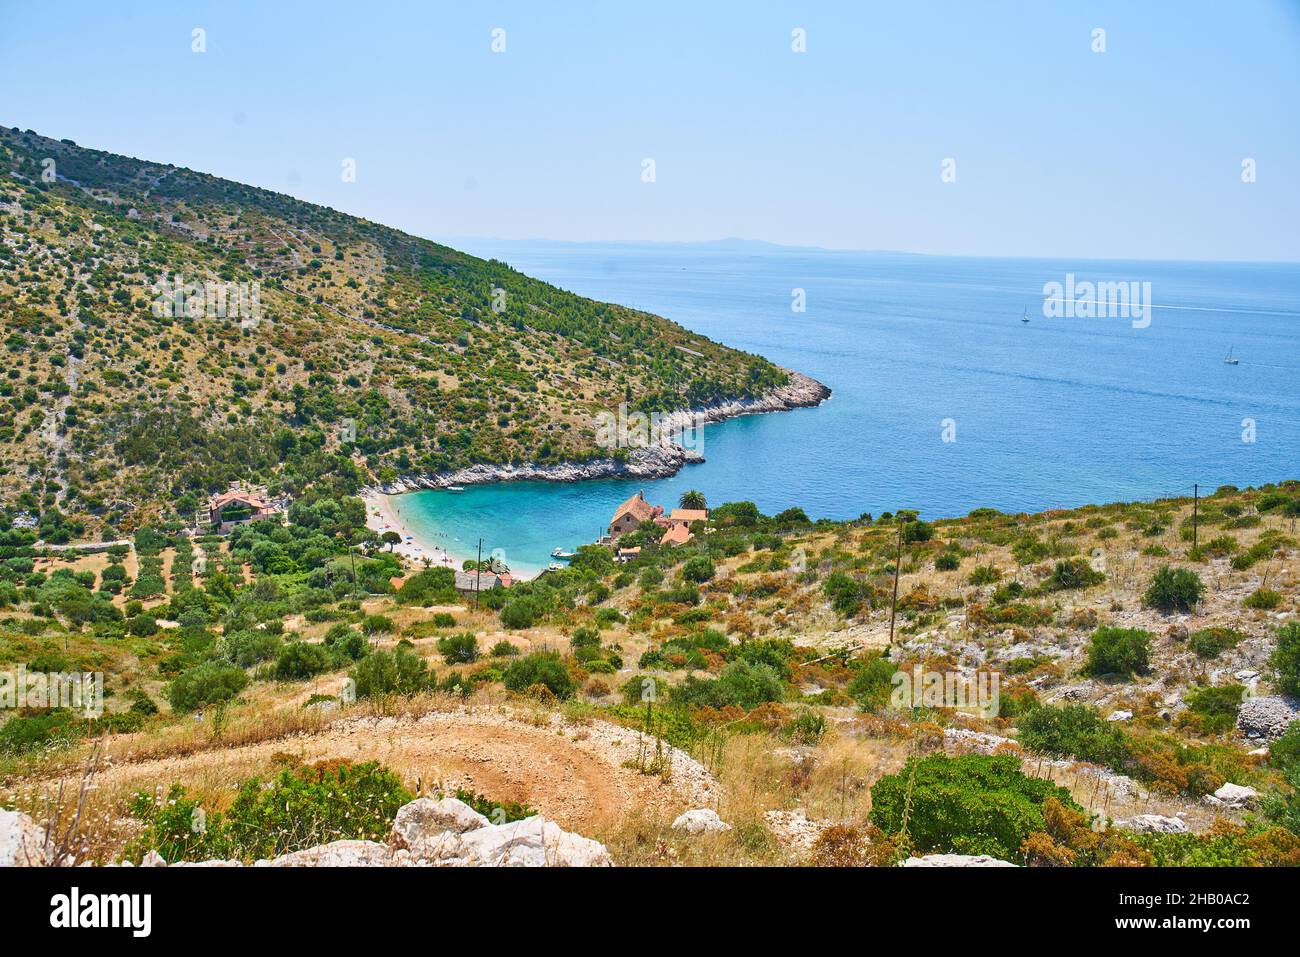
[(373, 353)]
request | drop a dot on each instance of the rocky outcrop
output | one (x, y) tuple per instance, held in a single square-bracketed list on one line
[(700, 821), (1233, 797), (1266, 718), (1154, 824), (22, 841), (651, 462), (956, 860)]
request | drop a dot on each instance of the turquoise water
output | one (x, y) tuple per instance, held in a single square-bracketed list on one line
[(1056, 412)]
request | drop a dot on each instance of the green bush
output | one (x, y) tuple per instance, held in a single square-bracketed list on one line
[(1284, 753), (973, 804), (299, 660), (698, 569), (1216, 706), (1073, 573), (24, 733), (1285, 660), (984, 575), (1262, 599), (873, 681), (522, 612), (1174, 589), (1123, 651), (433, 586), (947, 561), (539, 668), (504, 649), (459, 649), (1209, 643), (1074, 731), (443, 619), (210, 683), (395, 672)]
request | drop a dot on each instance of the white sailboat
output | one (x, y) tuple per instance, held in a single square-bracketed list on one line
[(1231, 360), (1025, 317)]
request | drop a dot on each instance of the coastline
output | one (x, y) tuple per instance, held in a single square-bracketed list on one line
[(650, 462), (382, 515)]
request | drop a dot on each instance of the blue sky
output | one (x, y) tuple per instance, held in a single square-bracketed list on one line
[(1060, 151)]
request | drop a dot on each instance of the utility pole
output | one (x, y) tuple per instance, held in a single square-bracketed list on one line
[(478, 571), (898, 566), (1196, 501)]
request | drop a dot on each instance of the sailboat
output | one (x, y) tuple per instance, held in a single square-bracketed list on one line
[(1230, 359), (1025, 317)]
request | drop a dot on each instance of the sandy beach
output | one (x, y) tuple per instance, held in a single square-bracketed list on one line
[(384, 515)]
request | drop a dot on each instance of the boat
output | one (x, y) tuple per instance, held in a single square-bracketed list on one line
[(561, 553), (455, 488), (1231, 360), (1025, 317), (555, 567)]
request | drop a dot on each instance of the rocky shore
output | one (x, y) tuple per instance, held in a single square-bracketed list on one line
[(650, 462)]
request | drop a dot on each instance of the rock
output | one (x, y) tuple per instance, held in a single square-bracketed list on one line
[(1120, 716), (428, 828), (532, 842), (1236, 796), (22, 841), (1266, 717), (152, 859), (956, 860), (700, 821), (1154, 824), (794, 828), (336, 854), (962, 739)]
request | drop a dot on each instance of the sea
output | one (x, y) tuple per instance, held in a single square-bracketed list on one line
[(944, 398)]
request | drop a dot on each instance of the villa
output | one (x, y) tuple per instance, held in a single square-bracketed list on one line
[(631, 514), (239, 505)]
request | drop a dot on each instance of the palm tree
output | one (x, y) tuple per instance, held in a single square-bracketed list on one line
[(692, 499)]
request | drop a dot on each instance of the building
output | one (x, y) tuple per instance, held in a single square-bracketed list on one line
[(676, 534), (239, 505), (471, 582), (631, 514), (687, 515)]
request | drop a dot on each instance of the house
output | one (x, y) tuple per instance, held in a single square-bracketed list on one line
[(471, 582), (631, 514), (627, 554), (239, 505), (688, 515), (677, 534)]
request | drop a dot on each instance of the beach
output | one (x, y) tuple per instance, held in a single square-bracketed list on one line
[(384, 515)]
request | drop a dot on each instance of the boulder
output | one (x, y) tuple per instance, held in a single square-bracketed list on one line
[(532, 842), (1154, 824), (700, 821), (1236, 796), (429, 828), (22, 841), (336, 854), (956, 860), (1124, 715)]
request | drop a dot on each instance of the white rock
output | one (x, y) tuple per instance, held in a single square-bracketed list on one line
[(1120, 716), (22, 841), (956, 860), (700, 821), (532, 842), (1154, 824), (336, 854), (1235, 795), (423, 825)]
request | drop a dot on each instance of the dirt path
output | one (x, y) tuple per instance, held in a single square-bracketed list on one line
[(573, 774)]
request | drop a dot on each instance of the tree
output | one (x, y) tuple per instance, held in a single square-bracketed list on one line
[(1174, 589), (692, 499), (391, 539)]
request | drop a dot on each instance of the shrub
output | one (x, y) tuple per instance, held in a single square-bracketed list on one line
[(429, 587), (1284, 753), (346, 644), (1216, 707), (947, 562), (539, 668), (872, 683), (1075, 731), (396, 672), (498, 812), (972, 804), (443, 619), (1122, 651), (984, 575), (1174, 589), (523, 612), (1285, 660), (1262, 599), (29, 732), (504, 649), (377, 625), (210, 683), (459, 649), (299, 660), (1073, 573), (846, 594), (1209, 643)]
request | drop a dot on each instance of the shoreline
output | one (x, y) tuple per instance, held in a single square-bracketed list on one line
[(649, 462), (383, 515)]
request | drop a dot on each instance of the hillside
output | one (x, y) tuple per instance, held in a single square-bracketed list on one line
[(372, 355)]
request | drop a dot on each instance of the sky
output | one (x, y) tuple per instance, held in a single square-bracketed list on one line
[(1056, 149)]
